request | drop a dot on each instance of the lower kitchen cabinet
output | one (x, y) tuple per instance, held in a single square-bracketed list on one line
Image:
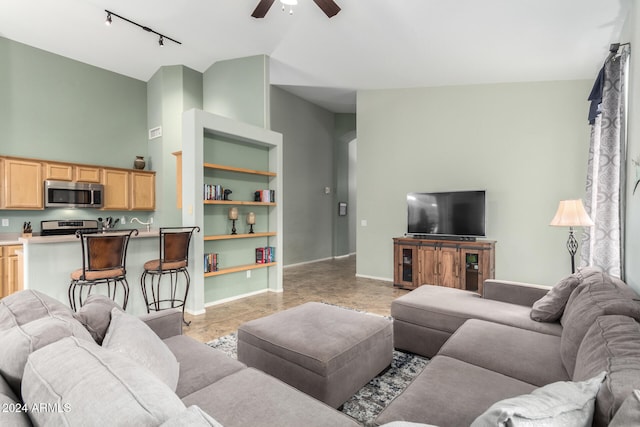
[(10, 270)]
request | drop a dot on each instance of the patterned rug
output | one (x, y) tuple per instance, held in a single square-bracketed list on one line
[(371, 399)]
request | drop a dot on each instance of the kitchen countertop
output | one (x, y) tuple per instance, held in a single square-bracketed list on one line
[(17, 239)]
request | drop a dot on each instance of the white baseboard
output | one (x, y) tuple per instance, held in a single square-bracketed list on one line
[(384, 279), (318, 260), (235, 297), (194, 312)]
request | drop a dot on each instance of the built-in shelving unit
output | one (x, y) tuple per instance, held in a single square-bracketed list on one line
[(245, 158)]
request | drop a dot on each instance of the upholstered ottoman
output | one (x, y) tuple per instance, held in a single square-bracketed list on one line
[(325, 351)]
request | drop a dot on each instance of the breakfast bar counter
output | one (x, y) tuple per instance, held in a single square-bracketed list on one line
[(49, 261)]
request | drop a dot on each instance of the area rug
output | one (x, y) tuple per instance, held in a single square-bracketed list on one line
[(371, 399)]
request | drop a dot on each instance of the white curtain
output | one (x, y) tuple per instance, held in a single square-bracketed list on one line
[(603, 244)]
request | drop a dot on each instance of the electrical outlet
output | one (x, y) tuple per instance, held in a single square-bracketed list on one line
[(123, 220), (248, 274), (5, 222)]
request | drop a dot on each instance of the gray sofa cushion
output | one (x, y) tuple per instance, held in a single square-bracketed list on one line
[(24, 306), (550, 307), (515, 352), (90, 385), (252, 398), (611, 344), (12, 411), (95, 315), (193, 357), (130, 337), (30, 320), (446, 309), (598, 295), (451, 393), (193, 416), (629, 413), (563, 403)]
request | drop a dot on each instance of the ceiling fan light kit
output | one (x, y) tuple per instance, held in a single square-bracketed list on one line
[(329, 7)]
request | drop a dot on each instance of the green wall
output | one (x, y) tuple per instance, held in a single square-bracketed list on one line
[(55, 108), (526, 144), (59, 109), (172, 90), (343, 229), (308, 133), (239, 89)]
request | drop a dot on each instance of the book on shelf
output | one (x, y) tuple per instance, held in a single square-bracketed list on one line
[(265, 196), (265, 255), (213, 192), (210, 262)]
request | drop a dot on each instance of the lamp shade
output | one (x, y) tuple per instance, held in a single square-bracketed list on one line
[(571, 213), (233, 213)]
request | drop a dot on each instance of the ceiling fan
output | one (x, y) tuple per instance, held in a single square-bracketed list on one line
[(329, 7)]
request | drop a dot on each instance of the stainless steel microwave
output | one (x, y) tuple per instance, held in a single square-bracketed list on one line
[(63, 194)]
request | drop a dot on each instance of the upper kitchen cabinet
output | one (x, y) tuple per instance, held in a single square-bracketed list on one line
[(71, 172), (129, 190), (116, 189), (21, 184), (143, 191)]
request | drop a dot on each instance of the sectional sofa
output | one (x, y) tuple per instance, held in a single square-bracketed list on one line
[(565, 356), (101, 366)]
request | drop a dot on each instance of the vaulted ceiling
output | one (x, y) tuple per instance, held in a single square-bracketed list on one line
[(370, 44)]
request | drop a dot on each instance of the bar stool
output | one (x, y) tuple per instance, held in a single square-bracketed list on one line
[(173, 259), (104, 256)]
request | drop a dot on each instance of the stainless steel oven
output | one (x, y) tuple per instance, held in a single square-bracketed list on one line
[(63, 194)]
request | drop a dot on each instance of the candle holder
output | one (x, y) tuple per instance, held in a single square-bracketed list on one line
[(233, 216), (251, 220)]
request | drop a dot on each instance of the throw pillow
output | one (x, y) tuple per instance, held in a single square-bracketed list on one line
[(95, 315), (129, 336), (564, 403), (550, 307), (12, 411), (22, 307), (79, 383)]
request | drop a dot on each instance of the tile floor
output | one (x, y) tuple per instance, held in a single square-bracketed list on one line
[(332, 281)]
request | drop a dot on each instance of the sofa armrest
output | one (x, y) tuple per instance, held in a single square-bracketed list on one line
[(513, 292), (165, 323)]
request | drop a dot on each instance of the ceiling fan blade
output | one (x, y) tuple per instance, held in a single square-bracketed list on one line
[(262, 8), (329, 7)]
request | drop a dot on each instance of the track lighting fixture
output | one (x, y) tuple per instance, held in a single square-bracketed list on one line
[(161, 39)]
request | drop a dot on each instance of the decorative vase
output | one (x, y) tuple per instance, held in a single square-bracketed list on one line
[(139, 162)]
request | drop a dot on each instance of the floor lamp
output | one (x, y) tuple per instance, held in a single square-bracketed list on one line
[(571, 214)]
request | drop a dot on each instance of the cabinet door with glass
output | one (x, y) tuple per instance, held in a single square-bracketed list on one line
[(407, 265)]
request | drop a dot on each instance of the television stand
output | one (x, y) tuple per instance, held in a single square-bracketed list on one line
[(451, 262)]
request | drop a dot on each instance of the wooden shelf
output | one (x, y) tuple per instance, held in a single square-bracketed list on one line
[(238, 268), (237, 202), (238, 236), (241, 170)]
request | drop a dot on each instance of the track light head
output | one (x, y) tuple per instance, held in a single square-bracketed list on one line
[(161, 41), (107, 22)]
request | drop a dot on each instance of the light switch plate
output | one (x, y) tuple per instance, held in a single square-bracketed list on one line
[(5, 222)]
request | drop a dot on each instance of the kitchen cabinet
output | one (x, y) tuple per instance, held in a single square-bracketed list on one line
[(21, 184), (58, 171), (460, 264), (143, 191), (116, 189), (86, 174), (129, 190), (10, 271)]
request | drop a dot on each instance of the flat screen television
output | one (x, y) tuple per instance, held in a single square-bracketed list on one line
[(446, 214)]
